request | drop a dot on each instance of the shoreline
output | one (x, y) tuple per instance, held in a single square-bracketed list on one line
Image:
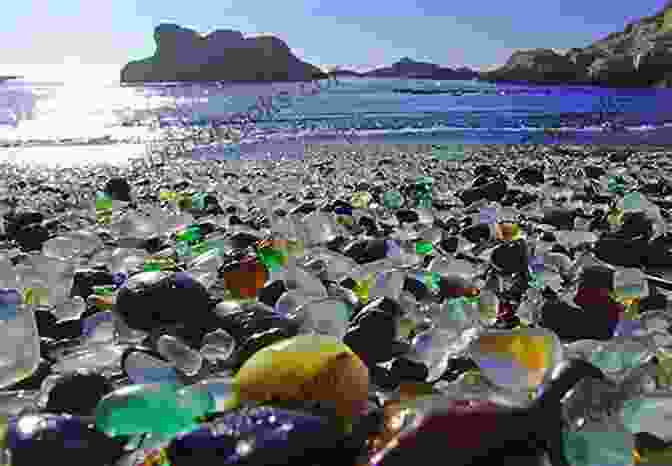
[(123, 155)]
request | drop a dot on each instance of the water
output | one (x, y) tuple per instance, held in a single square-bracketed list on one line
[(45, 118)]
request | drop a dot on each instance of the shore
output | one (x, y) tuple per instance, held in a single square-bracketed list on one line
[(365, 208), (420, 153), (327, 170)]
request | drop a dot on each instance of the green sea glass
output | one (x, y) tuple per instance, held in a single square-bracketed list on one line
[(272, 258), (164, 409), (454, 152), (423, 248), (651, 413), (599, 445), (455, 309), (191, 234), (393, 199), (103, 202), (198, 201)]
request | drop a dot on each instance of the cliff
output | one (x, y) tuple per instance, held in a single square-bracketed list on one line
[(223, 55), (537, 66), (638, 56)]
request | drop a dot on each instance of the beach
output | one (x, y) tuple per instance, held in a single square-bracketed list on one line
[(218, 249), (171, 270), (329, 171)]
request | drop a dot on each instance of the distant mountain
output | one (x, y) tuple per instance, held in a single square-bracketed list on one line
[(638, 56), (347, 73), (223, 55), (407, 68)]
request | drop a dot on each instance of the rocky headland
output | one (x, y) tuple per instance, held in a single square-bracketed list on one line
[(638, 56), (182, 54)]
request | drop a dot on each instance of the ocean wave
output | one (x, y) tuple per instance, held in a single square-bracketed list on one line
[(36, 113)]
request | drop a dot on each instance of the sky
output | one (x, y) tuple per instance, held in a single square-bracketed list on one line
[(63, 38)]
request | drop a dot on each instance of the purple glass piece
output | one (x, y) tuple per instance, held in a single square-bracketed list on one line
[(537, 264), (10, 296), (488, 215), (261, 430), (119, 278), (628, 328), (184, 280), (10, 300), (90, 323)]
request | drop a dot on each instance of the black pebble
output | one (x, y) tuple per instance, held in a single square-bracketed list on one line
[(572, 324), (31, 237), (118, 189), (407, 216), (416, 288), (150, 299), (597, 277), (493, 191), (530, 175), (621, 252), (405, 369), (636, 224), (592, 171), (85, 279), (78, 394), (366, 251), (383, 378), (153, 245), (560, 218), (270, 293), (653, 302), (477, 233), (449, 244), (511, 257), (242, 240), (619, 157)]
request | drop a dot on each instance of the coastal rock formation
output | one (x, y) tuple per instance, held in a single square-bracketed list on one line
[(537, 66), (223, 55), (638, 56), (407, 68)]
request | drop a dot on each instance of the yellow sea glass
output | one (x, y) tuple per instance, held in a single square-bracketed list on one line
[(307, 367)]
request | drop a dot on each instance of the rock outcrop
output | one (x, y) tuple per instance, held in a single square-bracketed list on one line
[(223, 55), (537, 66), (407, 68), (638, 56)]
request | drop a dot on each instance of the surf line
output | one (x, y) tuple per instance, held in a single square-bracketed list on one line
[(270, 106)]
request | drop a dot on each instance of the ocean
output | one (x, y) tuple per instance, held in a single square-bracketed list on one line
[(62, 122)]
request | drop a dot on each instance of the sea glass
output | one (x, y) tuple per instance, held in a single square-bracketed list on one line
[(19, 339)]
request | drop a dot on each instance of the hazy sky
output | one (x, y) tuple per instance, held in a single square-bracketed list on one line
[(357, 34)]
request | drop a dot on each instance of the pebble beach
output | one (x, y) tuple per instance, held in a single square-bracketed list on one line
[(218, 250), (345, 286)]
